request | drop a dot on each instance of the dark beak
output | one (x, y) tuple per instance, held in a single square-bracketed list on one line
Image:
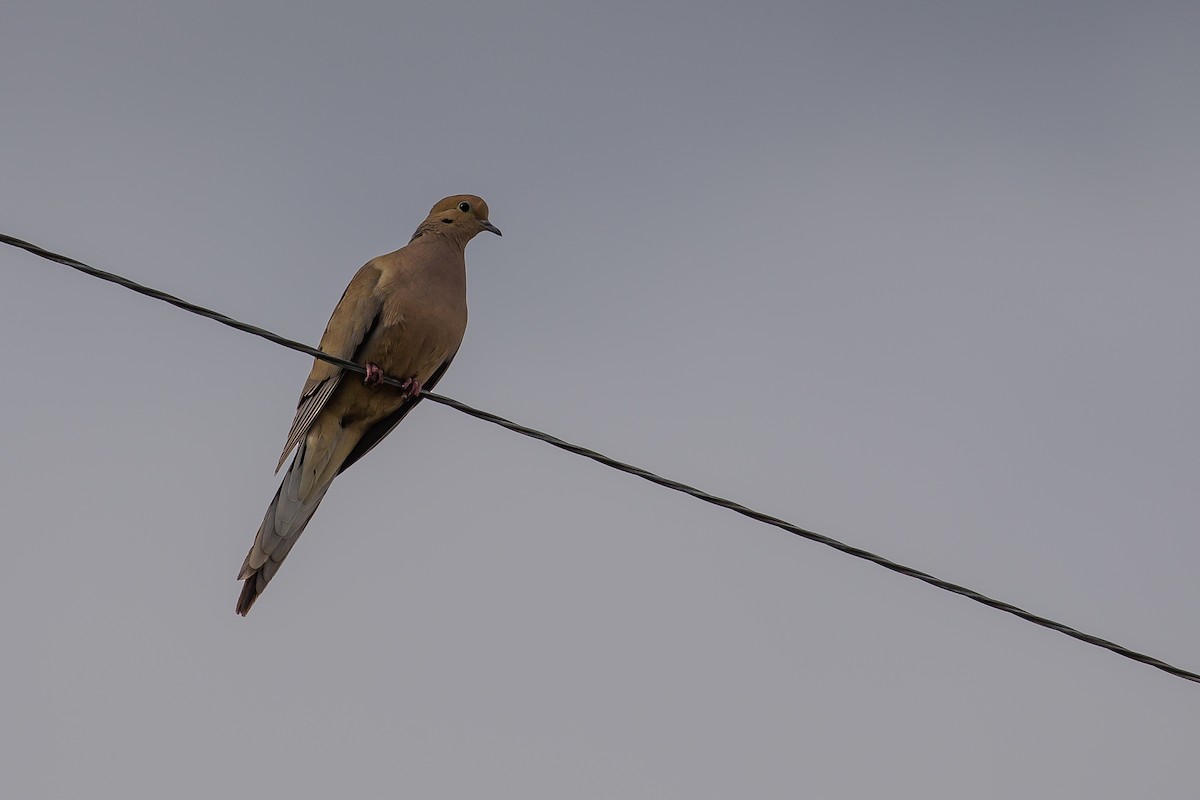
[(487, 226)]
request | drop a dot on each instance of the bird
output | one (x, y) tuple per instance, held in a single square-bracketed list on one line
[(402, 315)]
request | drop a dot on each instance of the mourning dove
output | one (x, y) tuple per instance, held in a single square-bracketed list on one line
[(403, 315)]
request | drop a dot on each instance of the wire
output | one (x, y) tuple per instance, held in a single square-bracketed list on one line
[(245, 327), (758, 516)]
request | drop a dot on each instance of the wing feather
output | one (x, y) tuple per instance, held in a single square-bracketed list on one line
[(351, 325), (310, 405)]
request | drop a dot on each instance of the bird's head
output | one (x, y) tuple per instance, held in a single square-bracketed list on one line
[(461, 216)]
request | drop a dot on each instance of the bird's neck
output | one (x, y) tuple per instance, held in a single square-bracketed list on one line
[(431, 233)]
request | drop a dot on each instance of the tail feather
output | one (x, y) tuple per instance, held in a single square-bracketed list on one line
[(286, 517)]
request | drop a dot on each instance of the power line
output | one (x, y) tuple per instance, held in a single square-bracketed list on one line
[(486, 416), (245, 327)]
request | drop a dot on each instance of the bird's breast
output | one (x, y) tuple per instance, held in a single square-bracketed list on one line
[(417, 339)]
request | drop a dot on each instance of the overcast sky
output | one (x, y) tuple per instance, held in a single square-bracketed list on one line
[(920, 276)]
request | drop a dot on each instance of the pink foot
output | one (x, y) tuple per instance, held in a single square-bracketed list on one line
[(374, 375), (411, 388)]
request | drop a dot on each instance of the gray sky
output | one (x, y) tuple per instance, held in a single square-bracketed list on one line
[(918, 276)]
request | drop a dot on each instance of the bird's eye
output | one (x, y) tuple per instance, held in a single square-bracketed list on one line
[(464, 207)]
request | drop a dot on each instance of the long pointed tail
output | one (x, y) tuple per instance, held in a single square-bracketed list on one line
[(285, 520)]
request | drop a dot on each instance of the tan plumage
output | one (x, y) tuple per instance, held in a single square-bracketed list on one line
[(405, 312)]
